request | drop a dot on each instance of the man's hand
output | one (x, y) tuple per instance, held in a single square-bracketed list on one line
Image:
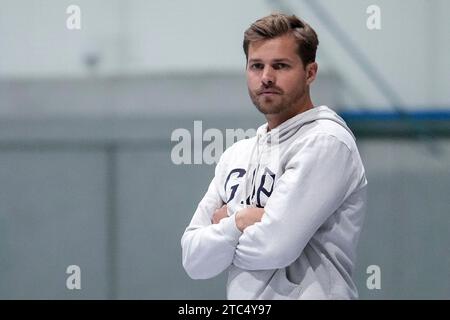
[(248, 216), (219, 214)]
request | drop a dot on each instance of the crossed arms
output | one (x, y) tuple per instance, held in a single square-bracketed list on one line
[(316, 181), (244, 218)]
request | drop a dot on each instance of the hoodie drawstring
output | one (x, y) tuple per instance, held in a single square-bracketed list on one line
[(248, 169), (259, 155)]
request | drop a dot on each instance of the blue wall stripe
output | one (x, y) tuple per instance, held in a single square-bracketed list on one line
[(392, 115)]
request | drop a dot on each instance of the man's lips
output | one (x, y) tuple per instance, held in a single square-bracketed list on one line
[(268, 92)]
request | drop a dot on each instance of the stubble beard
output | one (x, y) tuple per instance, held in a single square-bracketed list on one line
[(267, 105)]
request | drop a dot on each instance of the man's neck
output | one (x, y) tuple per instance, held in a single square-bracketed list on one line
[(274, 120)]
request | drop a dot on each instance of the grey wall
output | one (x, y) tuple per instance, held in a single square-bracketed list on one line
[(52, 215), (406, 230)]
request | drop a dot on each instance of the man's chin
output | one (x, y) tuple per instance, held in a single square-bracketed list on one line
[(269, 109)]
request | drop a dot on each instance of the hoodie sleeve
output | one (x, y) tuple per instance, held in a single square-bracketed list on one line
[(208, 249), (317, 179)]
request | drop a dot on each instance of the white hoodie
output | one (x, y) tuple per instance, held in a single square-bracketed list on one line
[(308, 175)]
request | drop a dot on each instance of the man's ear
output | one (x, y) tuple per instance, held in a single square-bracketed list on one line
[(311, 72)]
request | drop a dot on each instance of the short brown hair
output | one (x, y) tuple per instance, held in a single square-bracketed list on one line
[(278, 24)]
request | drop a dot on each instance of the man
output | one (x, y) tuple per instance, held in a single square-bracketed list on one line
[(284, 210)]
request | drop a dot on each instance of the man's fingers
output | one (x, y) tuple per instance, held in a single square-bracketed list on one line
[(219, 214)]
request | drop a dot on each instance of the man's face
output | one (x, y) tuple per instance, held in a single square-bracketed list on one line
[(276, 78)]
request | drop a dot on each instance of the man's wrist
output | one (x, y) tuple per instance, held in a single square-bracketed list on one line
[(238, 221)]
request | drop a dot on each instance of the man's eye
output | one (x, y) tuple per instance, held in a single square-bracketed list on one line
[(278, 66), (257, 66)]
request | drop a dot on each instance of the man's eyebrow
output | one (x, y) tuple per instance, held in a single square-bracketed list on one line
[(272, 61), (282, 60)]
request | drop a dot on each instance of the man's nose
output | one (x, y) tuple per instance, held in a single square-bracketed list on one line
[(268, 77)]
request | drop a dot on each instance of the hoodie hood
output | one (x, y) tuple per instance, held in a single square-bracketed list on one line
[(286, 129), (282, 133)]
